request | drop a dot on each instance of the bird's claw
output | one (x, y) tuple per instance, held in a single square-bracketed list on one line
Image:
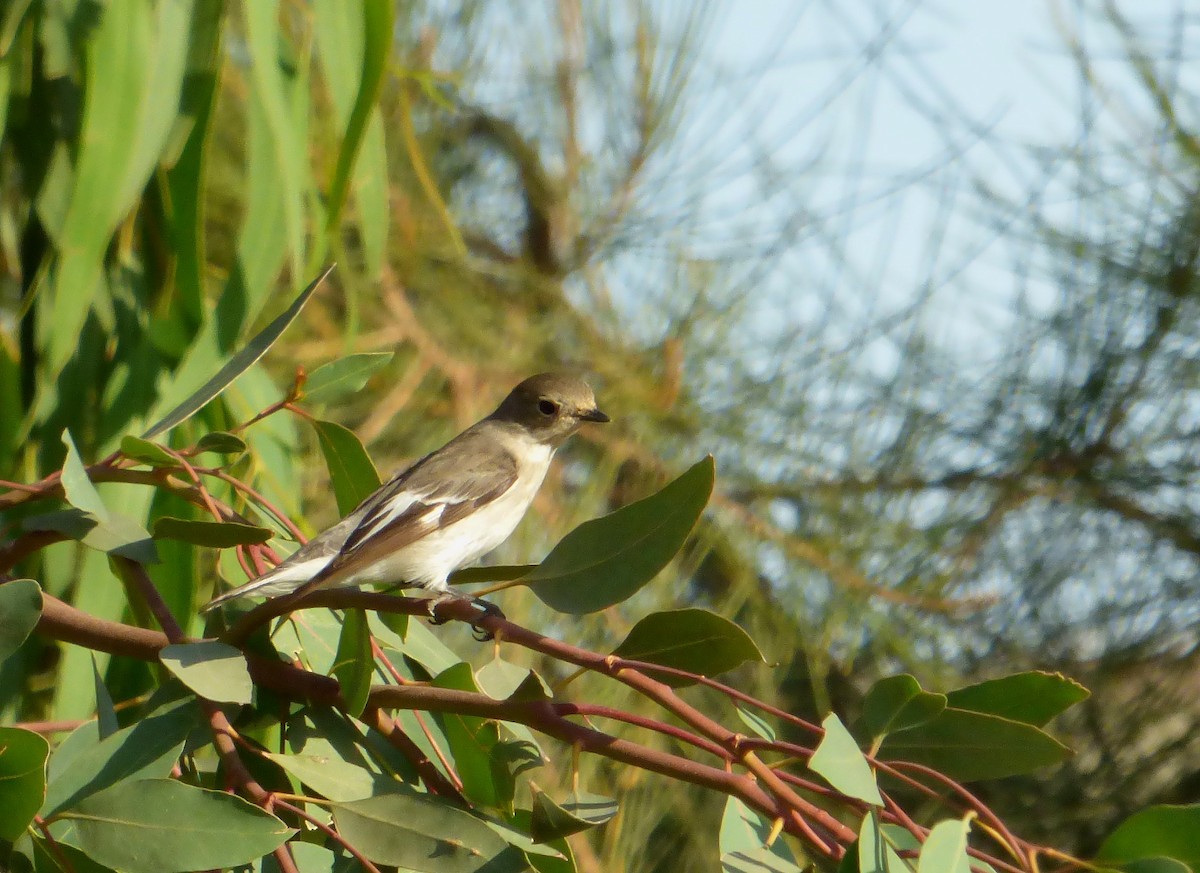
[(488, 609)]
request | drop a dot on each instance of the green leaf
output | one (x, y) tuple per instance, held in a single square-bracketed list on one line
[(974, 745), (945, 849), (106, 713), (22, 779), (353, 474), (147, 452), (1033, 697), (220, 442), (501, 680), (211, 534), (214, 670), (550, 821), (695, 640), (343, 376), (490, 573), (475, 745), (158, 825), (329, 776), (1155, 832), (20, 611), (77, 487), (147, 749), (842, 763), (743, 842), (355, 662), (875, 851), (423, 834), (605, 561), (238, 364), (755, 722), (427, 649), (898, 702)]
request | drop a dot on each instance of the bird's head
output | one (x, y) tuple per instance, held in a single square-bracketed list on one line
[(552, 406)]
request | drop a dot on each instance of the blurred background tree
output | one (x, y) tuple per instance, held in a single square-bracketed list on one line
[(914, 473)]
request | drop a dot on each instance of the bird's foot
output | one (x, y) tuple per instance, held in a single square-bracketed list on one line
[(485, 607)]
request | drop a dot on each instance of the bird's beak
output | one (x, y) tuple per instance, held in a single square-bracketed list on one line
[(593, 414)]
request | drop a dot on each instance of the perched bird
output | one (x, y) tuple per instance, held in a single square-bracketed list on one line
[(449, 508)]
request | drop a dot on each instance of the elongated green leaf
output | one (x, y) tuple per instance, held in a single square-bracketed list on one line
[(898, 702), (221, 443), (756, 723), (147, 452), (420, 833), (214, 670), (1033, 697), (605, 561), (78, 488), (743, 842), (22, 779), (239, 363), (475, 746), (353, 474), (115, 533), (839, 760), (945, 849), (343, 376), (20, 610), (212, 534), (695, 640), (160, 825), (147, 749), (1155, 832), (580, 811), (47, 860), (876, 853), (354, 664), (974, 745)]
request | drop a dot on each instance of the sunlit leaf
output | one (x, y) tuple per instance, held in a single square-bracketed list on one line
[(351, 470), (577, 813), (214, 670), (945, 849), (743, 841), (839, 760), (898, 702)]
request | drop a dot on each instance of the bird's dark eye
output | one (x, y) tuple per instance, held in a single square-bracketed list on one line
[(547, 407)]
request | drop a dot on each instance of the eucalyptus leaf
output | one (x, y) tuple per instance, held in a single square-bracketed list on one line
[(20, 611), (898, 702), (605, 561), (581, 811), (238, 364), (1033, 697), (695, 640), (743, 842), (147, 452), (23, 757), (214, 670), (1161, 831), (424, 834), (351, 470), (969, 745), (220, 442), (355, 662), (210, 534), (161, 825), (945, 849), (343, 376), (839, 760)]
